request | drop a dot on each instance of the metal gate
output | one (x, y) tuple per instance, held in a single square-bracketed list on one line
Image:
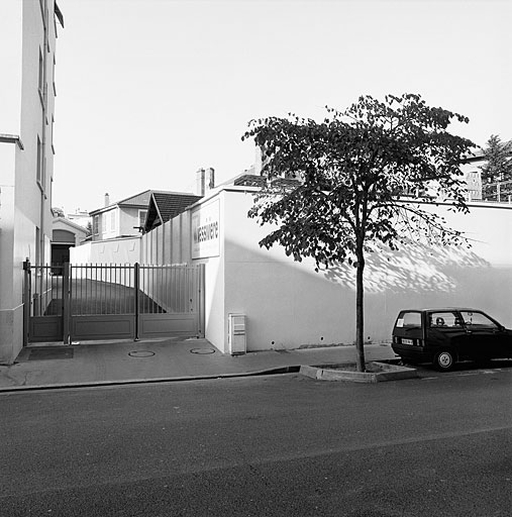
[(100, 301)]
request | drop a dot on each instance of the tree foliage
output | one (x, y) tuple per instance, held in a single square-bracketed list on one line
[(498, 166), (355, 170)]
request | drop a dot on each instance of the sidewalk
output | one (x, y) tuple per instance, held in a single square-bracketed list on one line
[(157, 360)]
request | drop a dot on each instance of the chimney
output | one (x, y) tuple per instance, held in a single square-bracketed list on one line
[(209, 180), (259, 161), (200, 182), (107, 200)]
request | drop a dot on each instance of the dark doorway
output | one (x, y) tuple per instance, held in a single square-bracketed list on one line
[(60, 255)]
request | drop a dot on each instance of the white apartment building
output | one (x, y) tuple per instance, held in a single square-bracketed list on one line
[(28, 34)]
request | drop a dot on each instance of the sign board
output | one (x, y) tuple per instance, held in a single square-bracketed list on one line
[(206, 231)]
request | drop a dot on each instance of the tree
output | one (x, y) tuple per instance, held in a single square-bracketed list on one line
[(499, 160), (353, 169)]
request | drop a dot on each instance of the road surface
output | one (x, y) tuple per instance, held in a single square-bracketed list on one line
[(282, 445)]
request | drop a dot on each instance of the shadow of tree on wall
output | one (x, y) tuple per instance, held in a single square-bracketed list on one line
[(416, 266)]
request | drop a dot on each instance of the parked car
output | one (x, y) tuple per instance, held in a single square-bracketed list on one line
[(445, 336)]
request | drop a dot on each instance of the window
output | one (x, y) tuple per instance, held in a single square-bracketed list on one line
[(44, 11), (95, 224), (411, 319), (53, 77), (40, 80), (51, 133), (445, 319), (142, 217), (113, 221), (477, 319), (39, 164)]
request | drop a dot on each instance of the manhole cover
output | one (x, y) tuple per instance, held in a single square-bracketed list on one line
[(202, 351), (41, 354), (141, 353)]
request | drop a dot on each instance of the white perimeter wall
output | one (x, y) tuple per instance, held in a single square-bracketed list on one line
[(113, 251), (288, 305)]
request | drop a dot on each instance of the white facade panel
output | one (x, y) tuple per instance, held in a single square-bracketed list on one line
[(206, 230)]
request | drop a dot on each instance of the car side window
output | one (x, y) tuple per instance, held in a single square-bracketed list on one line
[(477, 319), (444, 320)]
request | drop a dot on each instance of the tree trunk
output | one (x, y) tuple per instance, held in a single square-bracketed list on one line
[(360, 361)]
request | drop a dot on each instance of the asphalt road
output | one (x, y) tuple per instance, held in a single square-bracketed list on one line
[(281, 445)]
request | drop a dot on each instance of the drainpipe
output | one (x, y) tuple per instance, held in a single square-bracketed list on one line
[(43, 137)]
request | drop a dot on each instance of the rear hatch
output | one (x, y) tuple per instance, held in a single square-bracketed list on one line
[(408, 331)]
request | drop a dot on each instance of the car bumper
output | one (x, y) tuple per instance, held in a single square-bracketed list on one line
[(412, 352)]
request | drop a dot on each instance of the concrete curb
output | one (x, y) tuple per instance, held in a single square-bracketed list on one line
[(122, 382), (383, 372)]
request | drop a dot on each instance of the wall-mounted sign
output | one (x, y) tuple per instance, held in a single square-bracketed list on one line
[(206, 231)]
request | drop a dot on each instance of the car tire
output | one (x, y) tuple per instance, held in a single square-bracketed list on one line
[(444, 360)]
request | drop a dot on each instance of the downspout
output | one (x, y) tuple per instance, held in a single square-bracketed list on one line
[(43, 138)]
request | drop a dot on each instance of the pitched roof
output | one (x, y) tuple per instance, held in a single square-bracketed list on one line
[(253, 180), (140, 200), (163, 206)]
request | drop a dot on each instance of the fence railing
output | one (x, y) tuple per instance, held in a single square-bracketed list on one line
[(102, 289), (78, 290), (500, 191), (110, 288)]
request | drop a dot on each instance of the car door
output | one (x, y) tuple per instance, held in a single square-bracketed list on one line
[(487, 338), (445, 330)]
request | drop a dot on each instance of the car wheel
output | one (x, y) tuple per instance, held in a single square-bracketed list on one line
[(444, 360)]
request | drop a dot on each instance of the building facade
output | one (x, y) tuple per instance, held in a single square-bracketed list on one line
[(28, 37), (124, 218), (66, 234)]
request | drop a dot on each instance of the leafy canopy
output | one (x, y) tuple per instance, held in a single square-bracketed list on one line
[(354, 171), (498, 166)]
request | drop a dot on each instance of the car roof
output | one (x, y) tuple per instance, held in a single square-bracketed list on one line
[(442, 309)]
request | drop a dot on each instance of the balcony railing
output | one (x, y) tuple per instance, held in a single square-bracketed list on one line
[(500, 191)]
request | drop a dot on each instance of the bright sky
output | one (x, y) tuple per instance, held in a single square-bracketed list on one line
[(148, 91)]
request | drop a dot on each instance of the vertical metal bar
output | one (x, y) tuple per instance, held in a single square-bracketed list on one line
[(137, 285), (108, 308), (201, 296), (167, 290), (26, 301), (124, 280), (83, 284), (116, 283), (66, 303), (101, 287), (41, 273), (95, 287)]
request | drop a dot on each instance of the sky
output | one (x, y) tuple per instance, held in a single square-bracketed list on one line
[(149, 91)]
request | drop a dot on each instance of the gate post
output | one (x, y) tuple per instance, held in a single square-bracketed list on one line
[(27, 285), (66, 303), (201, 289), (137, 287)]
